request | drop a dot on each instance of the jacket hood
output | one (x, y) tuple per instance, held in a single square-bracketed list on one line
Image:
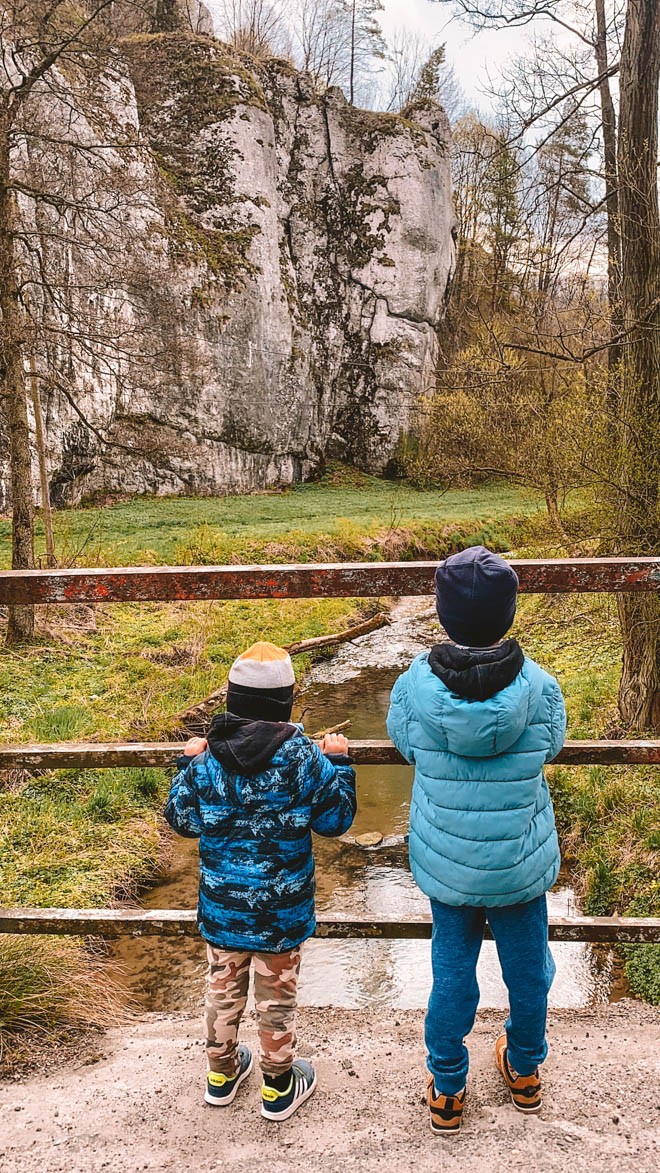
[(246, 747), (476, 674), (473, 728)]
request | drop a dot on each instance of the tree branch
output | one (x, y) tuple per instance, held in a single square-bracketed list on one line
[(25, 87)]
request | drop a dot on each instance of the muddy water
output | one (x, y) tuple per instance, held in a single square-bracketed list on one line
[(355, 684)]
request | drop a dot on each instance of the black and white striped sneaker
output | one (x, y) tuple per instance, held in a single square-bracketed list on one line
[(279, 1105), (221, 1089)]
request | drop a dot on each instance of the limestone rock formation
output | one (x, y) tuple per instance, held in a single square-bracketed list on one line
[(271, 298)]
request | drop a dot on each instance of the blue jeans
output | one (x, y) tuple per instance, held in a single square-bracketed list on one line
[(528, 968)]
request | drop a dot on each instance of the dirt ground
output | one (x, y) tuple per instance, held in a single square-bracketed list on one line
[(137, 1103)]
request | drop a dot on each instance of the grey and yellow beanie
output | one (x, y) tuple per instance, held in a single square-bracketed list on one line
[(261, 684)]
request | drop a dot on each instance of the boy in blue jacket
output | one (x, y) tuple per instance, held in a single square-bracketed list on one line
[(252, 793), (479, 720)]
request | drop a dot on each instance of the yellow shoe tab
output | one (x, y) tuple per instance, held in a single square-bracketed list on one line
[(271, 1093), (217, 1079)]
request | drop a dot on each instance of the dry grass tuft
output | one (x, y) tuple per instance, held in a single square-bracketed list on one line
[(49, 986)]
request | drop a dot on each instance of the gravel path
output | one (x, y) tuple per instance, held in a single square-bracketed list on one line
[(136, 1103)]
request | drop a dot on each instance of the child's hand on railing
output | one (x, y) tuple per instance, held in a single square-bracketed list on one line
[(334, 743), (194, 746)]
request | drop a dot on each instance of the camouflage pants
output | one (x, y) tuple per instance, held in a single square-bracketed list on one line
[(275, 986)]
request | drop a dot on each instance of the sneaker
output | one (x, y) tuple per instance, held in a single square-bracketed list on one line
[(221, 1089), (446, 1111), (280, 1105), (525, 1090)]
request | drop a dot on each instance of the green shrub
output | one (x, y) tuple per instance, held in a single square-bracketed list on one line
[(643, 971)]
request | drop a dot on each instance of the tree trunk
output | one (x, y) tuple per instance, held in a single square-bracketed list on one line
[(556, 522), (638, 451), (166, 17), (639, 692), (46, 510), (12, 373), (608, 120), (351, 87)]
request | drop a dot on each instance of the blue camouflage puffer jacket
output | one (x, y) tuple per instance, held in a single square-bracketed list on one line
[(482, 829), (253, 798)]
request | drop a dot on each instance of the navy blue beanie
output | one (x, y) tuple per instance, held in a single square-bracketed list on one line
[(475, 596)]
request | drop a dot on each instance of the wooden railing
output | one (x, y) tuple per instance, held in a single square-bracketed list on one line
[(154, 584), (94, 755)]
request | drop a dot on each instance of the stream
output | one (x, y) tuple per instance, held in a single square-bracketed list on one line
[(167, 975)]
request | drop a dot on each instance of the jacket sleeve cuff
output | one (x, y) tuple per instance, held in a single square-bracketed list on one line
[(184, 760), (339, 759)]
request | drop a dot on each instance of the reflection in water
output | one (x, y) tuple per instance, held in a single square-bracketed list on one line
[(355, 684)]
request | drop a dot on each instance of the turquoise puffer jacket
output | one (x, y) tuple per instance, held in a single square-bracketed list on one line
[(482, 827)]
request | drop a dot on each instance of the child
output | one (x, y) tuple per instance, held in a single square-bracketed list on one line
[(480, 720), (253, 793)]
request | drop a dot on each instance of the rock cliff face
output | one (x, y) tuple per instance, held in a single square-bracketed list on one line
[(277, 287)]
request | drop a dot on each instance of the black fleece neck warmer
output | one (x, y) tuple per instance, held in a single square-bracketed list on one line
[(243, 746), (474, 673)]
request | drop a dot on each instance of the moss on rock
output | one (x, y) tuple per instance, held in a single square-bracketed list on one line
[(186, 88)]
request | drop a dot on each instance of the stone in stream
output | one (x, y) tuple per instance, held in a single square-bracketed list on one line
[(369, 839)]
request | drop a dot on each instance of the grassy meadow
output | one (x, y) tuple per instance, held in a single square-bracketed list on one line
[(155, 530), (125, 671)]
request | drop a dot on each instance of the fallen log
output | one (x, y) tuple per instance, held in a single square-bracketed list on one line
[(381, 619), (195, 720)]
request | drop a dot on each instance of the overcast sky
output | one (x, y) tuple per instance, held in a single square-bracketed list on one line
[(474, 57)]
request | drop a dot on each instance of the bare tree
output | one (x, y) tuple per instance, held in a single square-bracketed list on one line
[(569, 81), (407, 53), (518, 415), (472, 154), (65, 193), (339, 42), (253, 26), (35, 35), (321, 39), (574, 74), (366, 40)]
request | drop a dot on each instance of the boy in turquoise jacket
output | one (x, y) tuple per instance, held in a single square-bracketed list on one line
[(479, 720)]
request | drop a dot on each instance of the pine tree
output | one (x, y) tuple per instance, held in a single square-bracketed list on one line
[(429, 81), (503, 212)]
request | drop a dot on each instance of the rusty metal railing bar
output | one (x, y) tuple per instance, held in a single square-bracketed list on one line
[(307, 580)]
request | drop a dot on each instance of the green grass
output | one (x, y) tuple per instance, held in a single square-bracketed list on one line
[(142, 665), (128, 669), (81, 837), (49, 986), (78, 839), (152, 529)]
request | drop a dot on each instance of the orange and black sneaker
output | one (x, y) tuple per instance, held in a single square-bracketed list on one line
[(525, 1090), (446, 1111)]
